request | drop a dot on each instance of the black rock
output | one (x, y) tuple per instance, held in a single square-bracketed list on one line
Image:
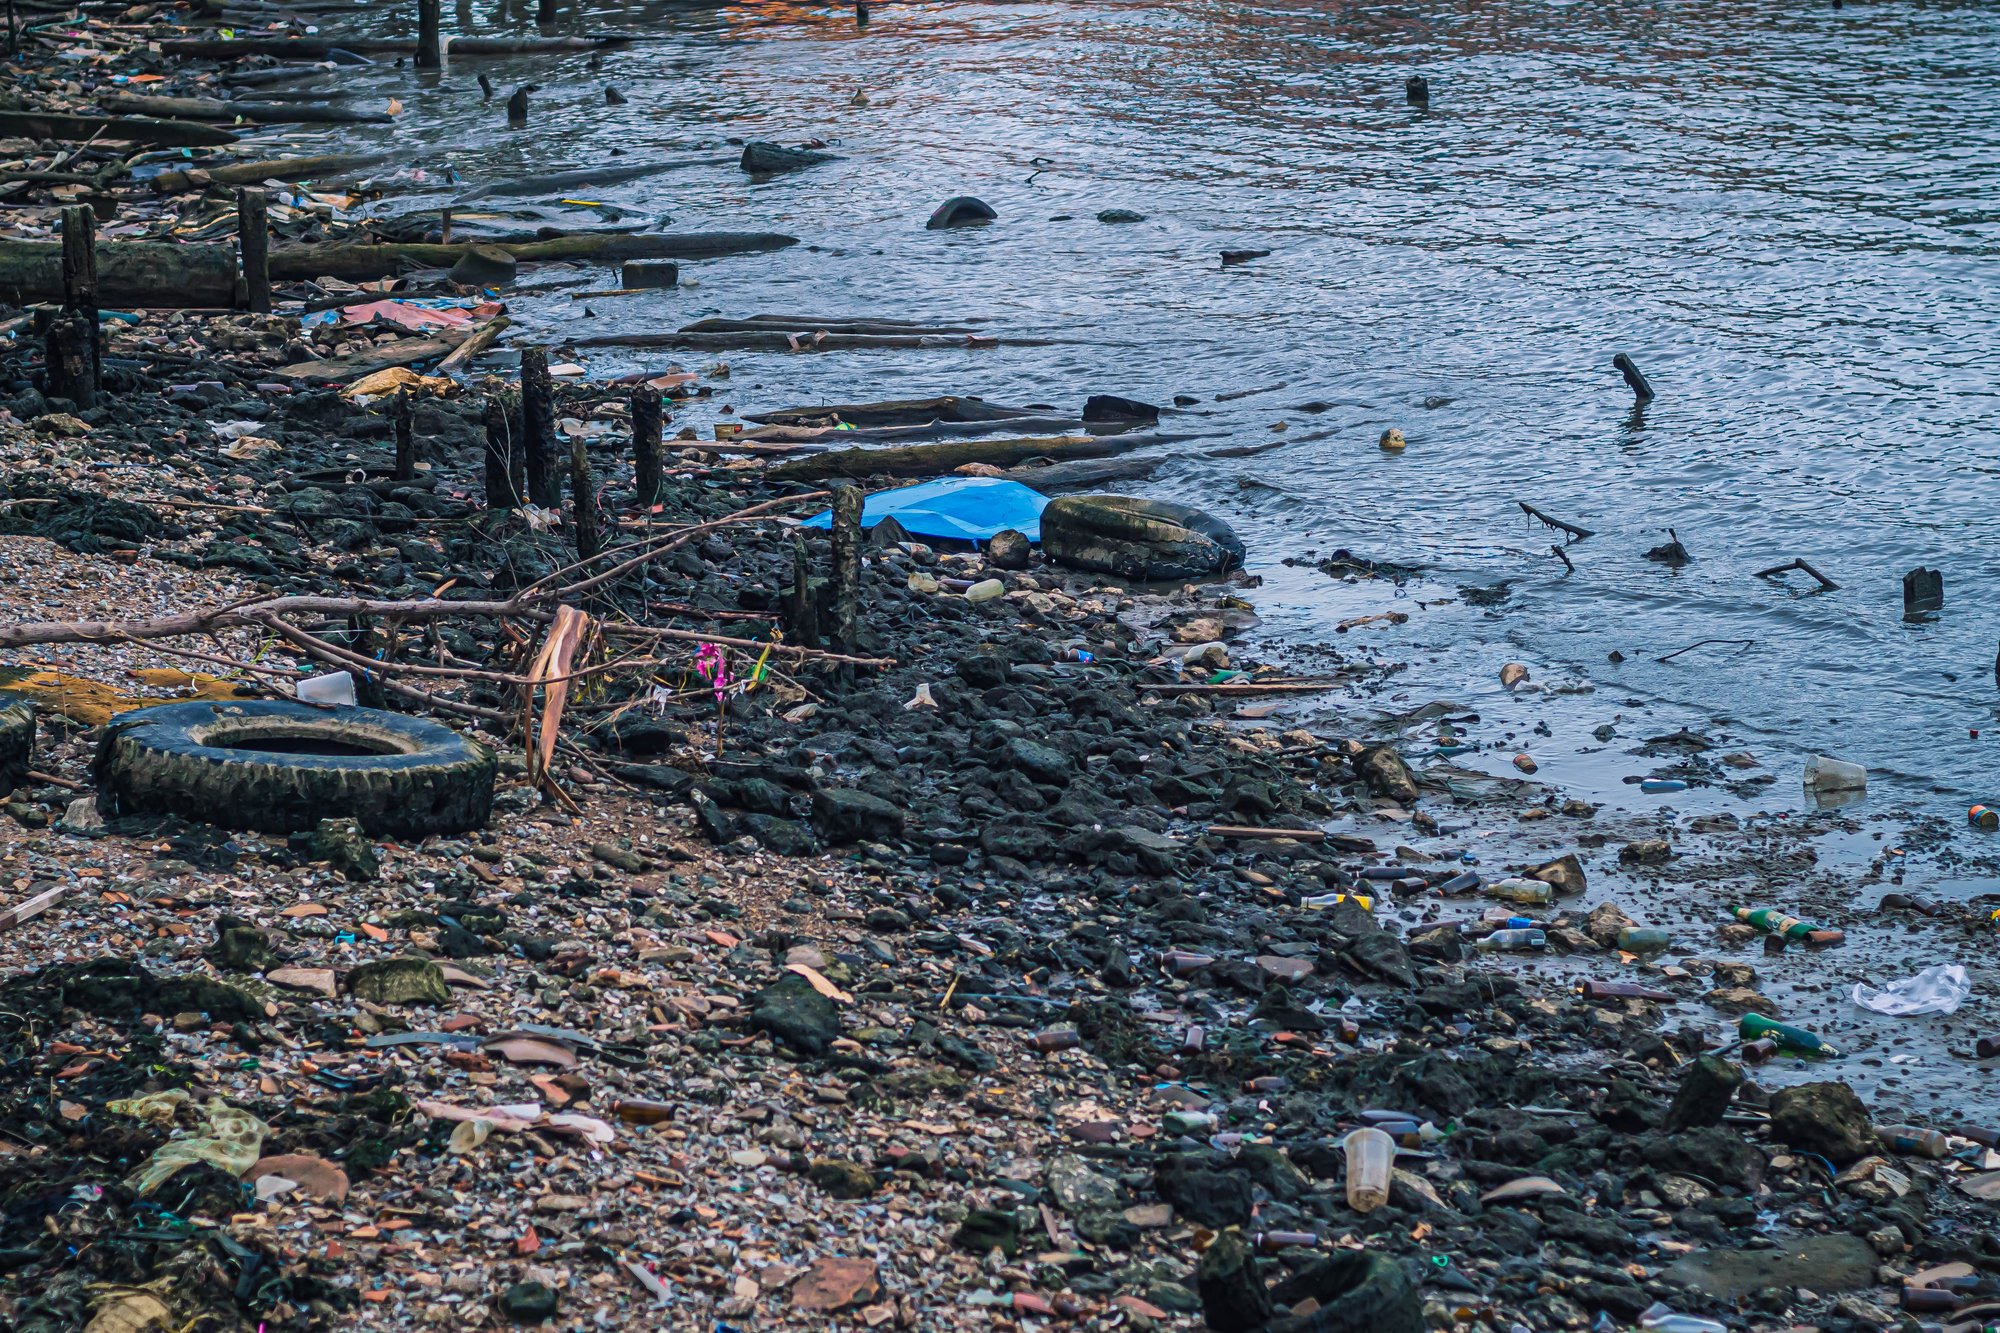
[(1233, 1296), (1824, 1118), (961, 210), (1118, 215), (786, 837), (1109, 407), (1008, 549), (768, 158), (1715, 1154), (984, 671), (984, 1229), (528, 1303), (341, 844), (842, 815), (841, 1178), (1201, 1194), (796, 1014), (1704, 1094), (1041, 763), (240, 947)]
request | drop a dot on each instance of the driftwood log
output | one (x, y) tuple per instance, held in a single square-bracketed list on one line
[(309, 48), (934, 460), (153, 274), (357, 263), (255, 173), (406, 352), (260, 113), (120, 129)]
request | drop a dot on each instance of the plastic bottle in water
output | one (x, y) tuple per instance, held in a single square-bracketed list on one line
[(1645, 939), (1514, 940), (1914, 1141), (1371, 1160)]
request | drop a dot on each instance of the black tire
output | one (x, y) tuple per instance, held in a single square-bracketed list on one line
[(1137, 539), (17, 740), (1357, 1292), (281, 767)]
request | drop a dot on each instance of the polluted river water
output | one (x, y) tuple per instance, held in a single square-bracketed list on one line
[(1776, 210), (1781, 213)]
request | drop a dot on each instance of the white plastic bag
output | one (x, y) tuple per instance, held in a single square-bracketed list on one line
[(1935, 990)]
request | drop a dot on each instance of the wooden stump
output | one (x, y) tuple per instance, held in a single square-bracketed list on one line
[(253, 242), (538, 430), (847, 503), (503, 453), (72, 371), (406, 437), (430, 53), (583, 501), (646, 430)]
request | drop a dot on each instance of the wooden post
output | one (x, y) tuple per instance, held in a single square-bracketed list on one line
[(538, 430), (802, 602), (79, 274), (583, 501), (847, 502), (72, 372), (406, 437), (253, 241), (646, 445), (444, 227), (13, 32), (545, 12), (503, 454), (430, 54)]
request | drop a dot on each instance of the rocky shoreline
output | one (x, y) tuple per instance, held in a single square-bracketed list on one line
[(1028, 962)]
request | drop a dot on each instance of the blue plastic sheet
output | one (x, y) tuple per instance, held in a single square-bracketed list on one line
[(968, 509)]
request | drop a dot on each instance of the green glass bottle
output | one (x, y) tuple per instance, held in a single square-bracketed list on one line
[(1791, 1040), (1773, 922)]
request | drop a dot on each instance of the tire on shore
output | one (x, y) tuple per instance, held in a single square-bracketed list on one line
[(1137, 539), (17, 740), (282, 767)]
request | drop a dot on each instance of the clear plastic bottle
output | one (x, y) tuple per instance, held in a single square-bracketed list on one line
[(1371, 1160), (1658, 1318), (1913, 1140), (1512, 940), (1645, 939), (1531, 892)]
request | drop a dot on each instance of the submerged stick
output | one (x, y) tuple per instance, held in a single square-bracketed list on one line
[(1576, 533), (473, 346), (1703, 643), (1249, 831), (1634, 381), (1826, 584)]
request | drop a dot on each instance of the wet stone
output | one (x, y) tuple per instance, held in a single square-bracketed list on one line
[(399, 981), (342, 845), (1824, 1118), (796, 1014), (528, 1303)]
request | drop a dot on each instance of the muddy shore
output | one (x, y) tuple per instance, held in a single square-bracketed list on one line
[(916, 990)]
